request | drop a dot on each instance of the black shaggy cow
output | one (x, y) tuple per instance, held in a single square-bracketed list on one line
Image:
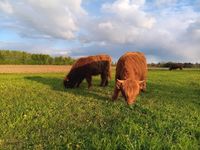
[(86, 67), (175, 66)]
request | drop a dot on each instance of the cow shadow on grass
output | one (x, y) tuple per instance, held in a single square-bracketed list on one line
[(154, 90), (54, 83), (96, 92)]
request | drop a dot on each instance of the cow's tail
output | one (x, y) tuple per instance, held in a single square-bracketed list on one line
[(109, 69)]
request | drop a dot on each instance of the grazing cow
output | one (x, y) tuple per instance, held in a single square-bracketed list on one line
[(131, 74), (86, 67), (175, 66)]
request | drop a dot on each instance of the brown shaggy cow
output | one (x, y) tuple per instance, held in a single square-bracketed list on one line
[(130, 78), (175, 66), (86, 67)]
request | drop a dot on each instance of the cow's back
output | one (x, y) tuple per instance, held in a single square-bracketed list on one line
[(84, 61), (131, 65), (92, 65)]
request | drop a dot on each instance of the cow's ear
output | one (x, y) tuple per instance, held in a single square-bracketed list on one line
[(119, 83)]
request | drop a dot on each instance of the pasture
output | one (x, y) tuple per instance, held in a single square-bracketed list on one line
[(36, 112)]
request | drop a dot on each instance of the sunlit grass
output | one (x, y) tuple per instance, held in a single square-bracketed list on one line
[(36, 112)]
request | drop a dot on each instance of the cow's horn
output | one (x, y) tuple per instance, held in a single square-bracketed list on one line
[(141, 82), (66, 79), (120, 81)]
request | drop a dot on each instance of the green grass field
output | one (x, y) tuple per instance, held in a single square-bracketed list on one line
[(36, 112)]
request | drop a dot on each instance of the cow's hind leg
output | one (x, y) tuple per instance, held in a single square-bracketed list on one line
[(89, 81), (101, 84), (106, 83), (104, 80)]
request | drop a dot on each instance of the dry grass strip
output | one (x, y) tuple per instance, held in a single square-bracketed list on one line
[(34, 68)]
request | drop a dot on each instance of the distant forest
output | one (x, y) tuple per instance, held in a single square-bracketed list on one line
[(24, 58)]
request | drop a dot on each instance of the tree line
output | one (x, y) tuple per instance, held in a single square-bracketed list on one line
[(168, 64), (22, 58)]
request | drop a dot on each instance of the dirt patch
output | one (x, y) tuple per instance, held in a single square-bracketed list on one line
[(34, 68)]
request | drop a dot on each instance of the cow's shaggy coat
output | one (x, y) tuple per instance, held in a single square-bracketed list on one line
[(86, 67), (131, 74)]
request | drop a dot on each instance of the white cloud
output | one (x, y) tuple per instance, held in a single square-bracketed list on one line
[(130, 12), (6, 7), (193, 31), (122, 22), (44, 19), (105, 25)]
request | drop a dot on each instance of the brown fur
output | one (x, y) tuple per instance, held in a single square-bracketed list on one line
[(131, 74), (86, 67)]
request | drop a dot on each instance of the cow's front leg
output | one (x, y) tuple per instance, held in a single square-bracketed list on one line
[(115, 94), (89, 81), (79, 82)]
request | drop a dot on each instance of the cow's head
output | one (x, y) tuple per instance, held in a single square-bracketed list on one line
[(130, 89)]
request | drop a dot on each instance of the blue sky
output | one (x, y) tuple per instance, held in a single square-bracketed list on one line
[(165, 30)]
